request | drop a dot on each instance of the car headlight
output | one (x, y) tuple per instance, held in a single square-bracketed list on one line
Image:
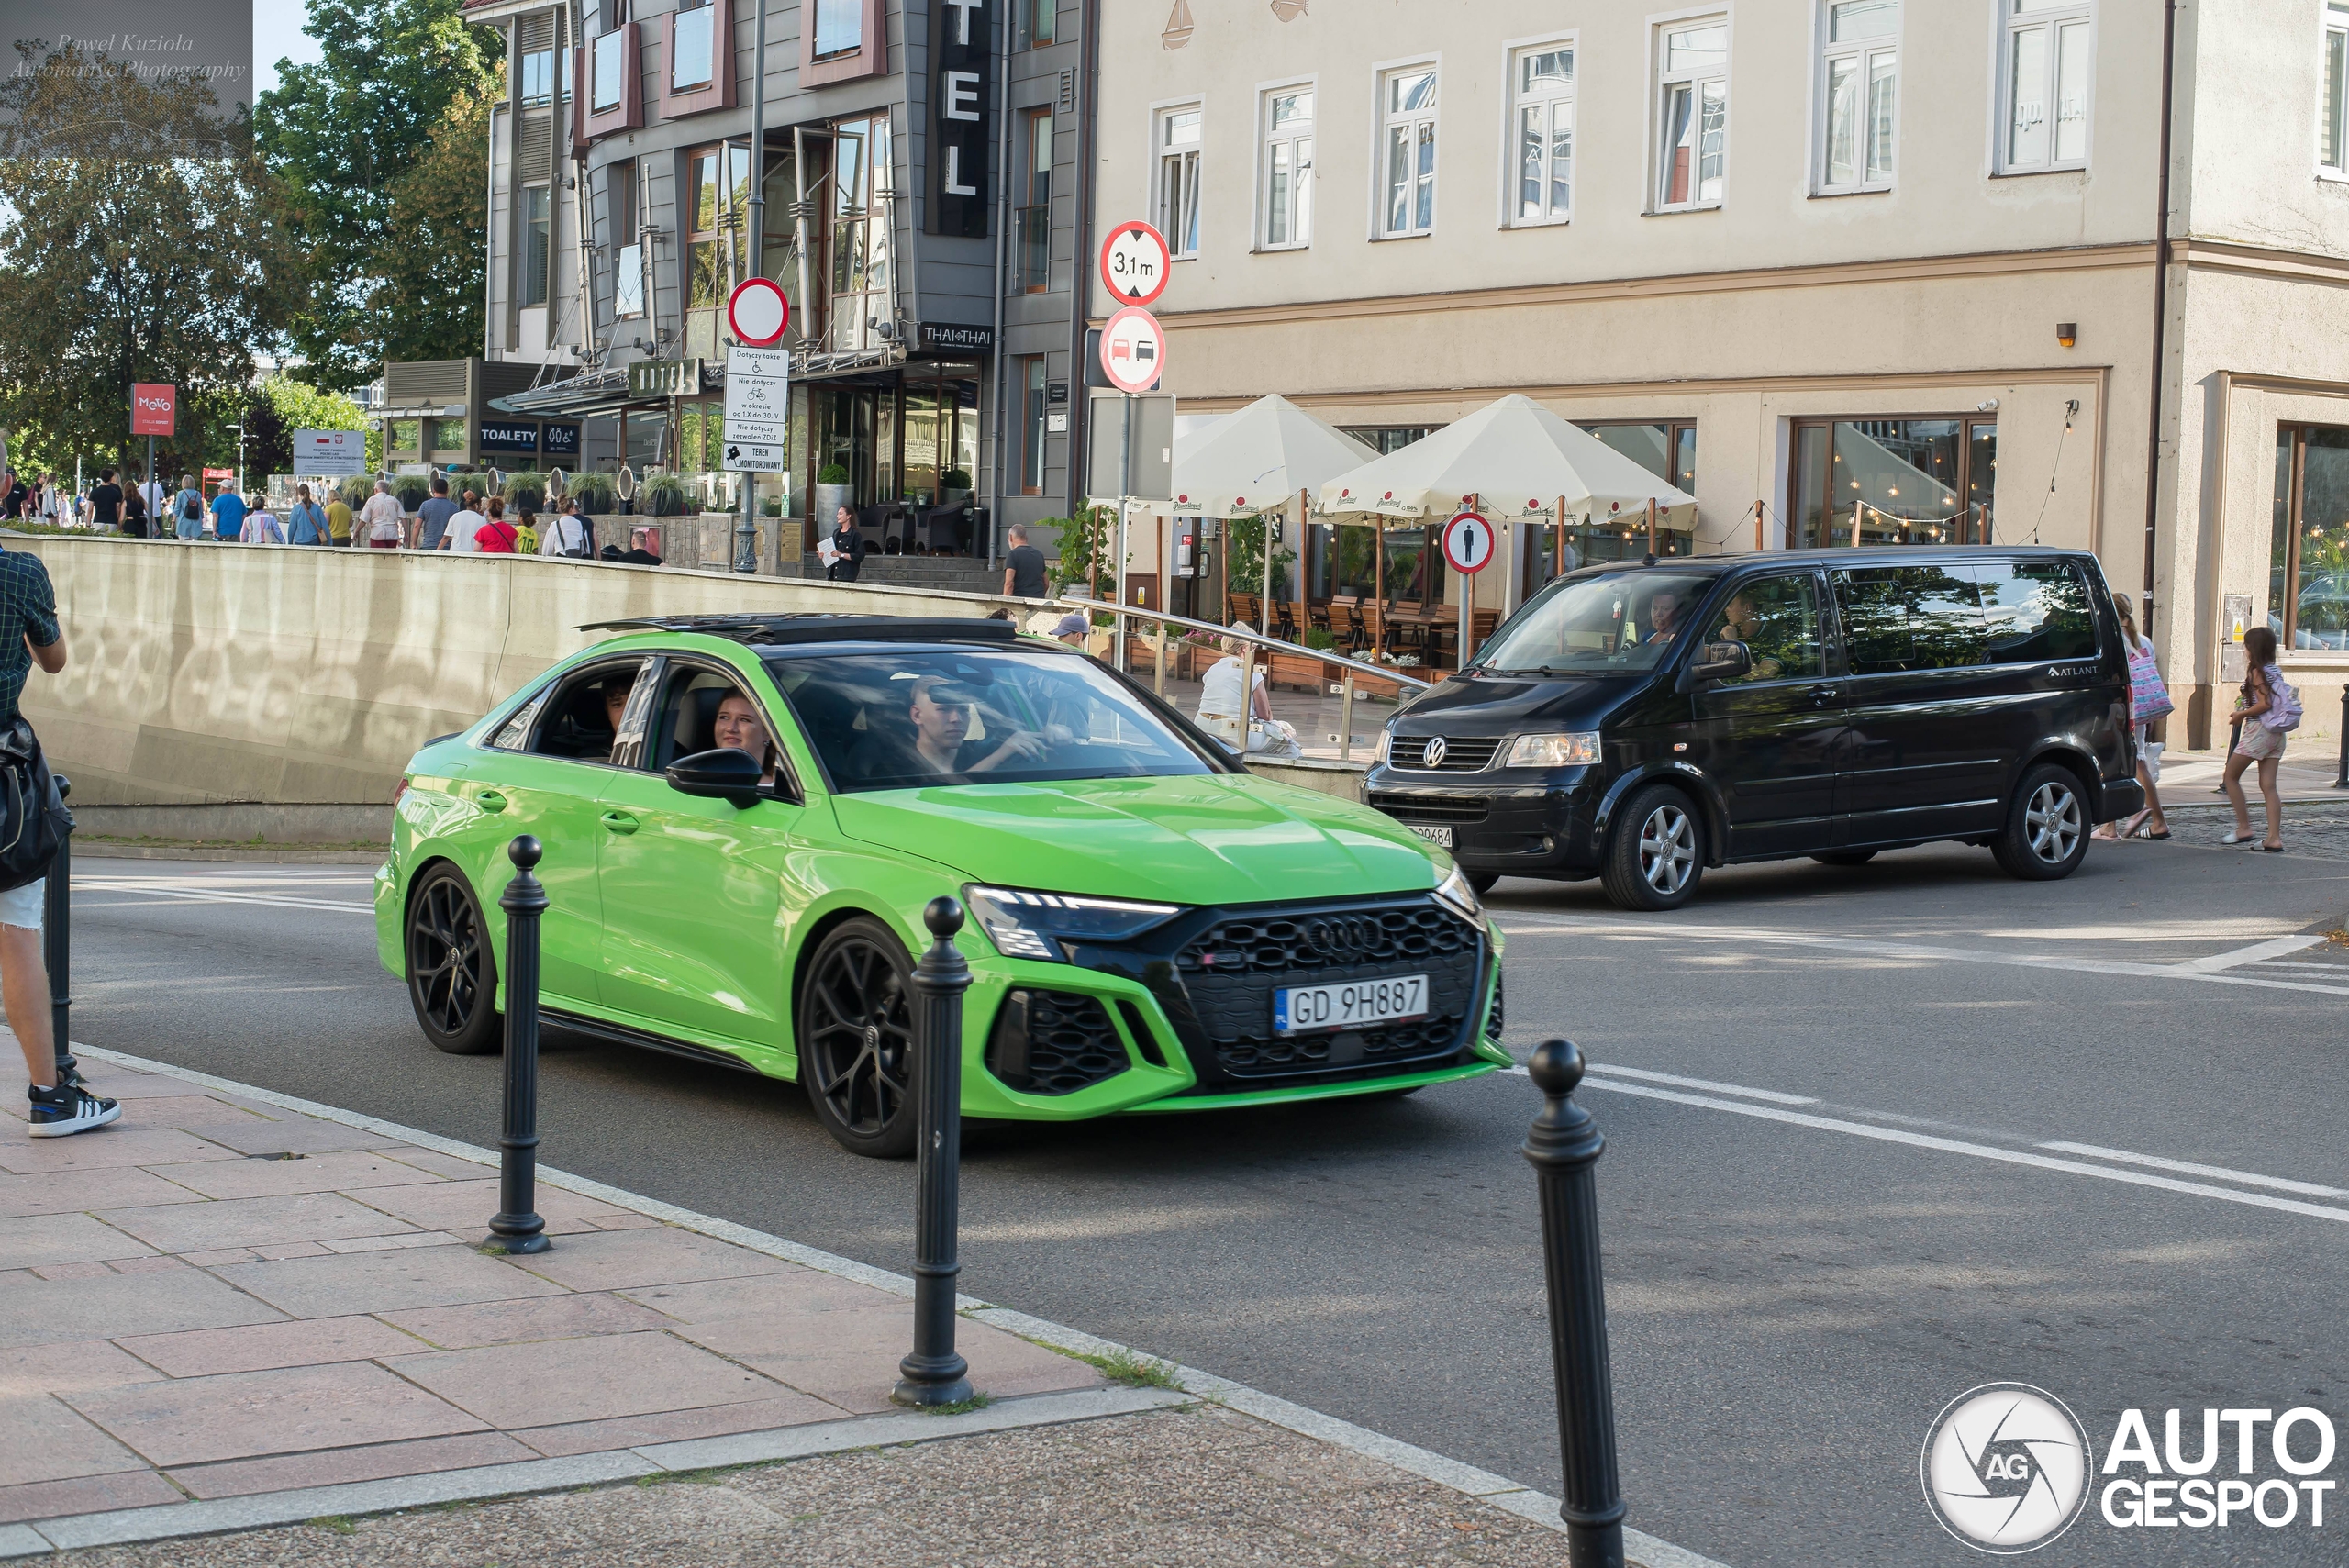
[(1385, 738), (1033, 925), (1554, 751), (1455, 894)]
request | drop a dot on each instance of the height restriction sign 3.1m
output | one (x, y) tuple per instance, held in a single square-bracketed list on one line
[(1135, 262)]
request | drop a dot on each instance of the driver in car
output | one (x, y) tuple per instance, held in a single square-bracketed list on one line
[(941, 710)]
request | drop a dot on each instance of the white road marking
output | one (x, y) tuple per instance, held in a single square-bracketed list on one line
[(1770, 1095), (2275, 948), (2339, 969), (2187, 1167), (1566, 925), (1978, 1151), (217, 896)]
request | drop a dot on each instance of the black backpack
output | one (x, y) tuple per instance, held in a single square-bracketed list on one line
[(33, 817), (192, 510)]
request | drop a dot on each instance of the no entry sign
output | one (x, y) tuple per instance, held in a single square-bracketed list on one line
[(758, 313), (1133, 350), (1134, 262), (1468, 543)]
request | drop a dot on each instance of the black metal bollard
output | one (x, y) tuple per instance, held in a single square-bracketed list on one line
[(934, 1374), (57, 945), (1563, 1147), (517, 1228), (2342, 781)]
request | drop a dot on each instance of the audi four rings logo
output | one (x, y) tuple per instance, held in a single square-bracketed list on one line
[(1435, 752), (1340, 939), (2006, 1468)]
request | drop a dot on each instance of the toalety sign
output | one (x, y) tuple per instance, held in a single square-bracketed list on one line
[(2008, 1468)]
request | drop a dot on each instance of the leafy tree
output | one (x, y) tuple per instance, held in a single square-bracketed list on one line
[(281, 406), (427, 302), (343, 135), (140, 240)]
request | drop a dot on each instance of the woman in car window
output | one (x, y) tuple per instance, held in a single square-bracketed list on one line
[(740, 728)]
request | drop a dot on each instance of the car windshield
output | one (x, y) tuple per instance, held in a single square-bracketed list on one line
[(900, 720), (1618, 623)]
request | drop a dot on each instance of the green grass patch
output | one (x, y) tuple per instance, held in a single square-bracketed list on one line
[(959, 1407), (1122, 1365), (341, 1524)]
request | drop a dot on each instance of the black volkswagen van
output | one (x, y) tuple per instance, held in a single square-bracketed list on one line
[(1641, 721)]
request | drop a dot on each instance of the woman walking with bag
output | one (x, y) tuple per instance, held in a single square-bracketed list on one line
[(2268, 710), (2148, 702)]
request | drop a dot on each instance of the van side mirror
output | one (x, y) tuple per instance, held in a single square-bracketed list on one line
[(1721, 661), (721, 774)]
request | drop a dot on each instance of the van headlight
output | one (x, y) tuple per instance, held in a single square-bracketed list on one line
[(1385, 738), (1023, 924), (1455, 894), (1573, 750)]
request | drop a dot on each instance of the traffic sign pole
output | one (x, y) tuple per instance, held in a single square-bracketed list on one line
[(1468, 548)]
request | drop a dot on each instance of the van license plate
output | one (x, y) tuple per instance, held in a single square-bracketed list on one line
[(1433, 832), (1299, 1009)]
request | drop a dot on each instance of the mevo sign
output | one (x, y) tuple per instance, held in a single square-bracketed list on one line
[(959, 134), (154, 410)]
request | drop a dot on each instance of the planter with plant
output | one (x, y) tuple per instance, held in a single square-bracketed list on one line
[(595, 493), (954, 487), (1247, 558), (665, 495), (528, 491), (832, 491), (411, 490), (1088, 538)]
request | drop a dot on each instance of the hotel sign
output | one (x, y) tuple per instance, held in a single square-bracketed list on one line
[(664, 378), (961, 112)]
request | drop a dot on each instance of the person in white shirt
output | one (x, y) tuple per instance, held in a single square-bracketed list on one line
[(567, 536), (462, 527), (1223, 711), (261, 526), (154, 495), (381, 517)]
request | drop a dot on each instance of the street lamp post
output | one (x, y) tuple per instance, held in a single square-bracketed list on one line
[(240, 457)]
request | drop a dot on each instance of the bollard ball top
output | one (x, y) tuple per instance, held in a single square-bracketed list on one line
[(525, 852), (943, 915), (1556, 1067)]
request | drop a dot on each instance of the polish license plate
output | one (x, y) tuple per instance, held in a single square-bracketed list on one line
[(1300, 1009), (1433, 832)]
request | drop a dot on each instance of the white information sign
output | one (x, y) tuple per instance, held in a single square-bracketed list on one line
[(329, 454), (758, 410)]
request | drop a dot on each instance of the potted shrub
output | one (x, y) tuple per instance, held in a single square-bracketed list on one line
[(954, 487), (411, 490), (593, 493), (832, 493), (526, 491), (665, 496)]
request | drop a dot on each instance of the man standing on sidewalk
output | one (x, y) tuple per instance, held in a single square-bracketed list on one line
[(381, 517), (432, 518), (28, 614)]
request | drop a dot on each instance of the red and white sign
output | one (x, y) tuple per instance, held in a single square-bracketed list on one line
[(1135, 262), (757, 313), (1468, 543), (154, 410), (1133, 350)]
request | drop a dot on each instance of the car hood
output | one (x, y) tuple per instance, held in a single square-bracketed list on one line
[(1197, 839)]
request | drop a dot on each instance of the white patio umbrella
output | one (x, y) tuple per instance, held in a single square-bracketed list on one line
[(1257, 458), (1511, 459)]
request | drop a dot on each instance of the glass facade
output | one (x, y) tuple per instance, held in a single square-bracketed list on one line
[(1893, 481), (2308, 561)]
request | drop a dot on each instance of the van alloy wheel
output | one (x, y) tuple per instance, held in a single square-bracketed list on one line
[(2047, 821), (2052, 821), (1655, 849), (1668, 848)]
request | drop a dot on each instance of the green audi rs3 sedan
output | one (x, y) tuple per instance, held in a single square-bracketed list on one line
[(743, 818)]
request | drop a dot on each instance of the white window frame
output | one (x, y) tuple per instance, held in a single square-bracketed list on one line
[(2049, 19), (1300, 172), (1660, 82), (1159, 115), (1512, 102), (2333, 22), (1866, 52), (1382, 122)]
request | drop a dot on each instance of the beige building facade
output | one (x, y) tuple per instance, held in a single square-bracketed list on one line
[(1883, 270)]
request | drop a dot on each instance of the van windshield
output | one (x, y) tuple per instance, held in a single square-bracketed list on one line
[(1617, 624)]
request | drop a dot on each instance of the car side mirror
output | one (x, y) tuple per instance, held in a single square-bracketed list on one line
[(721, 774), (1719, 661)]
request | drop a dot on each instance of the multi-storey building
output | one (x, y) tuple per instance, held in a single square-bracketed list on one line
[(1852, 271)]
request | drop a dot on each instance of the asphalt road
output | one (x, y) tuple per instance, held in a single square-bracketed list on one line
[(1794, 1288)]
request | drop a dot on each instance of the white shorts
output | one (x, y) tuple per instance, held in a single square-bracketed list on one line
[(22, 905)]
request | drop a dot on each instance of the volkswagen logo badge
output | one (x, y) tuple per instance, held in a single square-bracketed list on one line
[(1435, 752)]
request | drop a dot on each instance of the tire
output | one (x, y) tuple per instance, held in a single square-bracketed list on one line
[(2046, 835), (1844, 857), (451, 972), (856, 1039), (1483, 881), (1655, 856)]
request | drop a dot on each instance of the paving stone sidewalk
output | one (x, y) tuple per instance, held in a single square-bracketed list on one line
[(217, 1297)]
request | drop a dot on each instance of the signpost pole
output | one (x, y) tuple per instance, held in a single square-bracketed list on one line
[(1125, 485), (1467, 617)]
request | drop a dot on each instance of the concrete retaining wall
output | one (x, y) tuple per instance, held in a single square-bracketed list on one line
[(210, 674)]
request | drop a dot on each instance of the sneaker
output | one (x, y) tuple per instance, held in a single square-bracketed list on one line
[(60, 1112)]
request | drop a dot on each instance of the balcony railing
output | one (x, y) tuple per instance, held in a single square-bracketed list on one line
[(1034, 235)]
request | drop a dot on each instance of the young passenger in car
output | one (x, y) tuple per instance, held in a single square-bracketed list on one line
[(740, 728)]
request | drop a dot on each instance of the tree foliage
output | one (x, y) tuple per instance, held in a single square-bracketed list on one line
[(345, 136), (281, 406), (427, 304), (141, 239)]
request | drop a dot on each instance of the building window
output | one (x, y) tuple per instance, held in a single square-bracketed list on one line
[(2332, 133), (1666, 449), (1864, 482), (1860, 77), (839, 27), (607, 65), (2308, 558), (1178, 179), (537, 208), (1034, 217), (1692, 107), (1544, 79), (2046, 83), (1288, 169), (408, 436), (718, 198), (863, 298), (1034, 22), (696, 60), (1032, 394), (1386, 439), (628, 246), (1407, 107), (538, 77)]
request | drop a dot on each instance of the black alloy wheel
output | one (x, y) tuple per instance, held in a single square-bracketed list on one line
[(2046, 835), (1655, 856), (452, 973), (1844, 857), (856, 1039)]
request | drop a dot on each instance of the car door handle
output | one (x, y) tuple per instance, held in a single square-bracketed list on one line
[(490, 800), (619, 822), (1823, 693)]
